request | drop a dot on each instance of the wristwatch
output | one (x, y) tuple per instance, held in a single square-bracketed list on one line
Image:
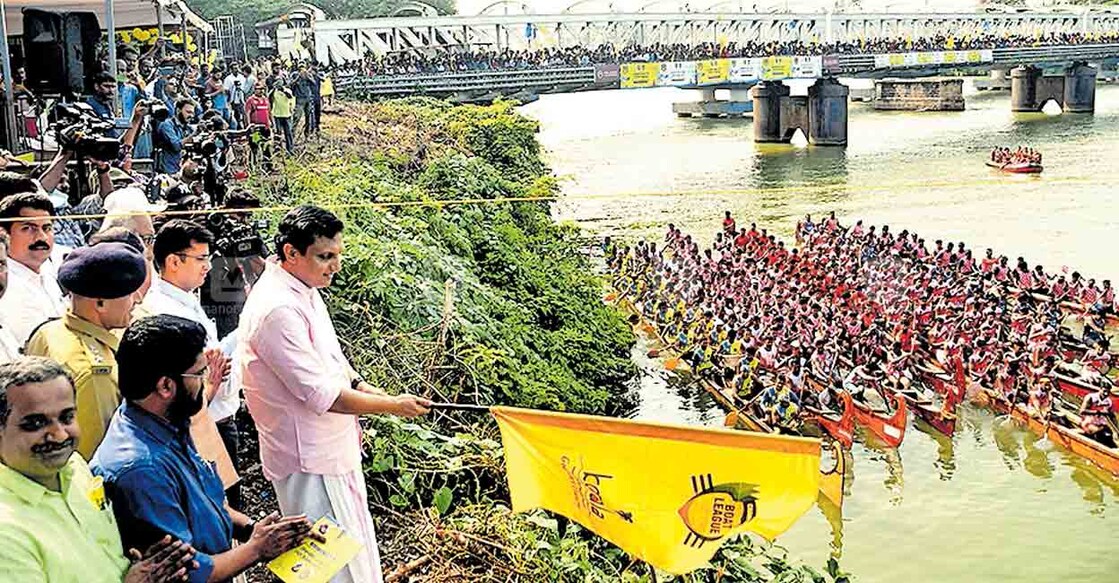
[(354, 382)]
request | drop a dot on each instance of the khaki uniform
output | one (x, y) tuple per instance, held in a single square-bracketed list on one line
[(88, 352)]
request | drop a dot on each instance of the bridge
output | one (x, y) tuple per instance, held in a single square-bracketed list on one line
[(755, 82)]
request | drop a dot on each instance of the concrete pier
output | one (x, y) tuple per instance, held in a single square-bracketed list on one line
[(1075, 91), (827, 113), (919, 94), (767, 97), (821, 115)]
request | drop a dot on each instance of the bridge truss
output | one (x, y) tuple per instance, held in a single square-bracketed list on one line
[(347, 40)]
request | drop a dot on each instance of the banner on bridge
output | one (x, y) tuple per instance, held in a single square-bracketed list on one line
[(633, 75), (807, 67), (932, 58), (744, 70), (607, 73), (676, 74), (776, 68), (712, 71)]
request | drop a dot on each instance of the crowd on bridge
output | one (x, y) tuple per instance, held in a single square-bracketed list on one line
[(456, 60), (865, 310)]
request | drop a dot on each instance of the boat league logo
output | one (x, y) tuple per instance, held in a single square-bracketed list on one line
[(587, 487), (715, 510)]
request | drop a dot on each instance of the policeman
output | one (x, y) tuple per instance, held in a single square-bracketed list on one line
[(102, 280)]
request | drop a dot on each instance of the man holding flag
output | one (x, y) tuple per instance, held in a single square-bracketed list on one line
[(302, 392)]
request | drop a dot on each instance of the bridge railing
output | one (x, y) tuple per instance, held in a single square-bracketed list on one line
[(571, 78)]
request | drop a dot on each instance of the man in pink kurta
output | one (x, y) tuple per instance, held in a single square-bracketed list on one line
[(302, 392)]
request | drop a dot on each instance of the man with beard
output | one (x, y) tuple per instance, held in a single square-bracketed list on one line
[(158, 483), (55, 524), (102, 280), (169, 137), (33, 295)]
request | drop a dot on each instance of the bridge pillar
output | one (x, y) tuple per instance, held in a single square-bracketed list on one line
[(768, 96), (827, 113), (1080, 89), (1023, 88)]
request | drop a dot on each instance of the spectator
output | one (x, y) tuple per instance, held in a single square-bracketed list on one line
[(282, 111), (306, 92), (55, 524), (9, 346), (33, 295), (156, 479), (234, 85), (101, 280)]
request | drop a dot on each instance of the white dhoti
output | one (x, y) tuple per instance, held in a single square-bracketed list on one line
[(341, 498)]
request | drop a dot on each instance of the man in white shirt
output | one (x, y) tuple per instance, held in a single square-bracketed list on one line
[(33, 295), (182, 257), (9, 347)]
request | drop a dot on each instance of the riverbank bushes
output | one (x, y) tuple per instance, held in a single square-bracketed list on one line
[(451, 290)]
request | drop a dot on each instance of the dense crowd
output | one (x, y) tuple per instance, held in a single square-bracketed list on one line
[(408, 63), (865, 310)]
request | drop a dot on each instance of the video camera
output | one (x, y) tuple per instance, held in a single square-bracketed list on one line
[(157, 110), (237, 239), (83, 132)]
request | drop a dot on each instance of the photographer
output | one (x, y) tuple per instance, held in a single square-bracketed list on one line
[(238, 260), (170, 135)]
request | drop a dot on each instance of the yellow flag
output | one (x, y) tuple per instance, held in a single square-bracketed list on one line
[(666, 494)]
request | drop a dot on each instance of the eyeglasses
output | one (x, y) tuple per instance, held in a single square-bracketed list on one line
[(200, 375), (203, 258), (147, 239)]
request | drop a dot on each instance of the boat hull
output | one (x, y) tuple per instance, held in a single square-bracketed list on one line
[(1089, 449), (1078, 389), (889, 430), (1018, 168)]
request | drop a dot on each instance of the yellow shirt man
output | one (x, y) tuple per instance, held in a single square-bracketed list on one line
[(88, 352), (58, 537)]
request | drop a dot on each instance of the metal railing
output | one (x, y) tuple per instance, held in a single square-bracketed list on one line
[(572, 78)]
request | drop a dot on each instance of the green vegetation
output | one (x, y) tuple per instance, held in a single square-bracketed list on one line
[(490, 303)]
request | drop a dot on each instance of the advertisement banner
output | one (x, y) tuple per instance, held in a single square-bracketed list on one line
[(925, 58), (951, 57), (607, 73), (712, 71), (744, 70), (910, 59), (634, 75), (807, 67), (675, 74), (831, 65), (987, 56), (775, 68), (897, 60), (974, 57), (881, 61)]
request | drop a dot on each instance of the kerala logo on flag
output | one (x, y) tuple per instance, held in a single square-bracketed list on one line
[(715, 510), (587, 487)]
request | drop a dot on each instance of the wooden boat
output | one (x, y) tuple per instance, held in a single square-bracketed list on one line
[(890, 430), (1070, 439), (942, 418), (839, 427), (1080, 389), (1016, 167)]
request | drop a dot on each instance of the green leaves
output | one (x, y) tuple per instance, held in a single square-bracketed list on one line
[(442, 499)]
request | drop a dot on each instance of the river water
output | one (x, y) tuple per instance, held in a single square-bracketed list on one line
[(994, 503)]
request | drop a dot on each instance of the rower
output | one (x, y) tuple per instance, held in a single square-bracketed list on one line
[(1097, 416)]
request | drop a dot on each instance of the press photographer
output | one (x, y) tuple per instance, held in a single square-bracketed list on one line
[(170, 136), (239, 252)]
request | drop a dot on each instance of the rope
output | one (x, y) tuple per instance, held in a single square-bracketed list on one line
[(594, 197)]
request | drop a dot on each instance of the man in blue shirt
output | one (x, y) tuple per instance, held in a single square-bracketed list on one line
[(169, 138), (157, 482)]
